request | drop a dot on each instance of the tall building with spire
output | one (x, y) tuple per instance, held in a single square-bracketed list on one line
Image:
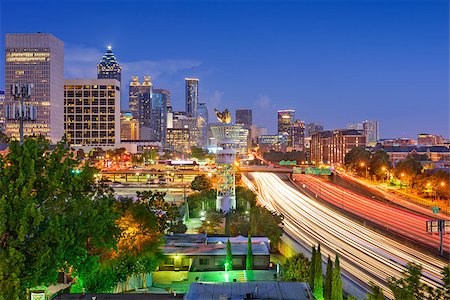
[(108, 67)]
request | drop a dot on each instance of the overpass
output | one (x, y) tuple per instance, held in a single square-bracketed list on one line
[(269, 169)]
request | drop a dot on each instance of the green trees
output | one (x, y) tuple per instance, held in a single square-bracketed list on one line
[(379, 164), (249, 258), (376, 292), (318, 279), (50, 218), (355, 157), (266, 223), (296, 268), (201, 183), (198, 153), (336, 285), (312, 269), (328, 279), (229, 258), (411, 287)]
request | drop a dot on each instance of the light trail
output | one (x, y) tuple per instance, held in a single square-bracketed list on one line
[(396, 219), (364, 253)]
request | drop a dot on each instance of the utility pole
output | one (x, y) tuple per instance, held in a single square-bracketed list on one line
[(19, 110)]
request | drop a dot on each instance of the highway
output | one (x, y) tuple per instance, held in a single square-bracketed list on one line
[(365, 254), (401, 221)]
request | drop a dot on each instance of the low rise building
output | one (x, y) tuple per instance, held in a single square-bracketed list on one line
[(198, 252)]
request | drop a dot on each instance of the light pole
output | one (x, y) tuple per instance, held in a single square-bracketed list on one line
[(363, 164)]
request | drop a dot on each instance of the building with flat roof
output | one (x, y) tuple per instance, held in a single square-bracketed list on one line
[(244, 117), (191, 96), (250, 290), (427, 139), (179, 139), (330, 147), (92, 112), (160, 104), (38, 59), (199, 252), (129, 127)]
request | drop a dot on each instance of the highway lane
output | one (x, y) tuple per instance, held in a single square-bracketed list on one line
[(396, 219), (364, 253)]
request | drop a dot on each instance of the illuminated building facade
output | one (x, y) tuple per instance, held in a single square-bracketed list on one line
[(92, 112), (297, 135), (312, 128), (129, 127), (285, 119), (371, 132), (160, 101), (38, 59), (191, 97), (178, 139), (330, 147), (426, 139), (202, 125), (244, 117), (108, 67)]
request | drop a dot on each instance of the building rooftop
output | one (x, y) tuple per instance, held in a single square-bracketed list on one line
[(215, 249), (250, 290)]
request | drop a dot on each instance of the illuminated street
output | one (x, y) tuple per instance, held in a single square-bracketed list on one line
[(366, 254)]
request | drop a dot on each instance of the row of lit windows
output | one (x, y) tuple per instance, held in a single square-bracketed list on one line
[(78, 94), (94, 118), (90, 87), (88, 110)]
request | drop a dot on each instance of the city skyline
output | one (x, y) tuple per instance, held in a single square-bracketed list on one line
[(353, 74)]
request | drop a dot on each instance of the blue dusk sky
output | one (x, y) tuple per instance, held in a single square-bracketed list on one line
[(334, 62)]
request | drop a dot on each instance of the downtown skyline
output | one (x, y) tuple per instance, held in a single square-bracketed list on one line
[(335, 62)]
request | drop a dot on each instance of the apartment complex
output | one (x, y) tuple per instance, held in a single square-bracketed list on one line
[(330, 147), (92, 112), (38, 59)]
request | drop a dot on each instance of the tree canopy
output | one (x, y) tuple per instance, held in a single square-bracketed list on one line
[(296, 268), (50, 217), (201, 183)]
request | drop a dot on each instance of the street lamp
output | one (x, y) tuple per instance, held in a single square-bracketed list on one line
[(362, 164), (137, 174)]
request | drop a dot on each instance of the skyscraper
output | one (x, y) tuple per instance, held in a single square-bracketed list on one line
[(2, 111), (160, 98), (244, 117), (145, 109), (371, 132), (38, 59), (202, 125), (191, 96), (297, 135), (108, 67), (133, 96), (92, 111), (285, 120), (312, 128)]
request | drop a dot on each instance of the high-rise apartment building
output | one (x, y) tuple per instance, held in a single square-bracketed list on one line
[(191, 96), (371, 132), (108, 67), (312, 128), (244, 117), (129, 127), (160, 98), (38, 59), (92, 112)]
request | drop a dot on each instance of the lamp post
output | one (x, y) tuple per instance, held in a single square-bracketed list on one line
[(363, 164), (401, 179)]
